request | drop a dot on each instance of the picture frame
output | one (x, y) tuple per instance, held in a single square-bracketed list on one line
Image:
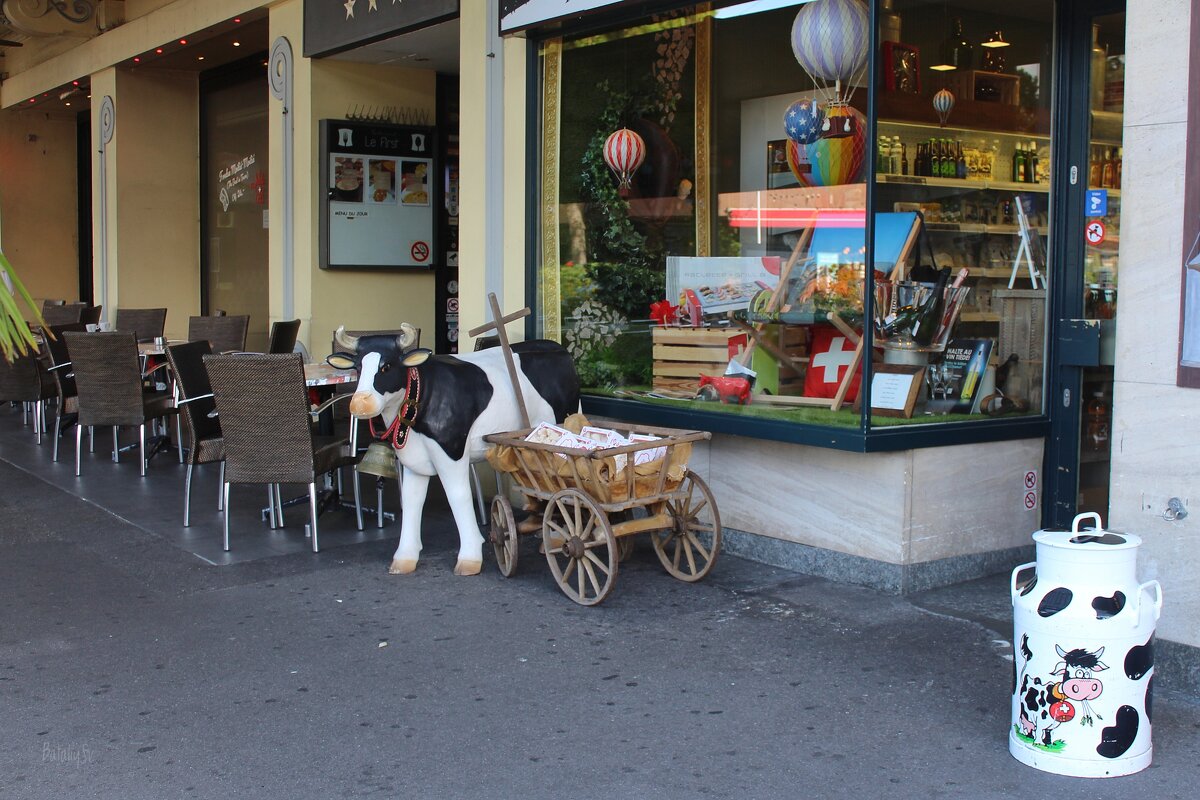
[(901, 68), (894, 390)]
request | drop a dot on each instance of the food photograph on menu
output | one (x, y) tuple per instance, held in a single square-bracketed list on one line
[(347, 179), (382, 187), (414, 186)]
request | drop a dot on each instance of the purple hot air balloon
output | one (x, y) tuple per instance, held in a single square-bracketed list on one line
[(802, 121), (943, 103), (830, 40)]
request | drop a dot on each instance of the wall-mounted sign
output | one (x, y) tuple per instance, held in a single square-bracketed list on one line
[(517, 15), (331, 26), (378, 194)]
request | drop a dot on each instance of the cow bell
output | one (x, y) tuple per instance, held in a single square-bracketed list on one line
[(380, 459)]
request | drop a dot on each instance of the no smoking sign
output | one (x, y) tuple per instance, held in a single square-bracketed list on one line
[(1029, 483), (420, 252)]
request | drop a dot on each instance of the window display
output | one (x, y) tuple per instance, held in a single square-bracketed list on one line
[(705, 209)]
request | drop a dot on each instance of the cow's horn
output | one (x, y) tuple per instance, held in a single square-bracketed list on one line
[(350, 343), (408, 336)]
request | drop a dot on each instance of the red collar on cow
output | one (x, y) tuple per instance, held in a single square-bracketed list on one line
[(397, 432)]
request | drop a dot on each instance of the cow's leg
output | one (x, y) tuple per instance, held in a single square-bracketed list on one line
[(456, 480), (413, 488)]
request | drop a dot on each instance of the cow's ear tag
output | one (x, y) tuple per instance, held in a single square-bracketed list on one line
[(415, 358), (341, 361)]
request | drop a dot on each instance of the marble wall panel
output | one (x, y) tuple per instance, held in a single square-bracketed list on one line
[(1156, 47)]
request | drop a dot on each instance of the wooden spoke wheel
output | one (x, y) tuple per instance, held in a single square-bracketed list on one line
[(503, 534), (580, 547), (688, 549)]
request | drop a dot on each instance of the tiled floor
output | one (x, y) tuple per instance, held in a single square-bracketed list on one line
[(155, 503)]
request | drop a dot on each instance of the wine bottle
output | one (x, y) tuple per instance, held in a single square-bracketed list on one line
[(1031, 163), (903, 159), (1018, 165), (960, 163), (930, 312)]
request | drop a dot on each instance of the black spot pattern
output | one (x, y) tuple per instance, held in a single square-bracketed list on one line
[(1150, 699), (1139, 660), (551, 370), (1091, 538), (1117, 738), (1014, 689), (1106, 607), (1054, 601)]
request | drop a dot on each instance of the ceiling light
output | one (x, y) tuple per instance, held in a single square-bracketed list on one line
[(137, 59), (995, 40), (943, 68), (68, 103), (237, 44), (199, 58), (237, 19), (74, 83), (158, 50), (183, 41), (755, 7)]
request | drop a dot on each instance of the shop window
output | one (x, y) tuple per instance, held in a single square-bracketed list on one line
[(704, 205)]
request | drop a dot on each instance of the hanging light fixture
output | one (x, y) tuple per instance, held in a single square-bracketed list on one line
[(995, 40), (955, 52)]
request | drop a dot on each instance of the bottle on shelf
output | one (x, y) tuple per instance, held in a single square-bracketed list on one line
[(1031, 163), (1120, 156), (903, 159), (1108, 174), (1096, 428), (948, 168), (960, 163), (894, 156), (1018, 164), (1095, 170), (995, 162)]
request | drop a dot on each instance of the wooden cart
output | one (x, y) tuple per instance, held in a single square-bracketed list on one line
[(590, 501)]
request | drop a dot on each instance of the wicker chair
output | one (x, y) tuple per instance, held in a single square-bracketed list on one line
[(196, 406), (265, 419), (283, 336), (109, 381), (91, 315), (146, 324), (26, 380), (62, 313), (225, 334), (64, 377)]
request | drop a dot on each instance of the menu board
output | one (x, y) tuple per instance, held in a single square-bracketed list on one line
[(377, 202)]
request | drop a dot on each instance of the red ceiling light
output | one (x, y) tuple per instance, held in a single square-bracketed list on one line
[(237, 19), (74, 83), (137, 59), (183, 41), (158, 50)]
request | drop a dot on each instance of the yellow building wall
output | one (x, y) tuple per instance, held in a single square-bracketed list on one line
[(358, 300), (157, 194), (39, 201)]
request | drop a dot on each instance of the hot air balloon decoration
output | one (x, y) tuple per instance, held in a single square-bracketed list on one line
[(943, 104), (803, 121), (830, 40), (624, 152), (836, 156)]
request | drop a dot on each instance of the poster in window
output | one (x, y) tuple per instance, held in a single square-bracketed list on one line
[(377, 210)]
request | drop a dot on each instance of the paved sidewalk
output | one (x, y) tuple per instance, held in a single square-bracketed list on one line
[(131, 669)]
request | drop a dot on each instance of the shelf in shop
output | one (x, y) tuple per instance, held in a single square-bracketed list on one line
[(962, 183)]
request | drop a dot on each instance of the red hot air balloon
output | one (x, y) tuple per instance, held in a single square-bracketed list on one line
[(624, 152)]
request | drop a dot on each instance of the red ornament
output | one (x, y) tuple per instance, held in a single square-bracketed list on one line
[(663, 312), (624, 152), (1062, 711), (260, 183)]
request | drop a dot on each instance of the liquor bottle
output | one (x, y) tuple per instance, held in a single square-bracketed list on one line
[(894, 153), (903, 159), (1108, 175), (1095, 170), (1032, 163), (960, 164), (948, 168), (1096, 433), (1018, 165), (1120, 157), (994, 166), (971, 376), (935, 163), (930, 312)]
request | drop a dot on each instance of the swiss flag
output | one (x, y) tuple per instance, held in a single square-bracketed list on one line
[(829, 356)]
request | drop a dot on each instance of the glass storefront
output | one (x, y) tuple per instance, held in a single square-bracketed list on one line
[(705, 180)]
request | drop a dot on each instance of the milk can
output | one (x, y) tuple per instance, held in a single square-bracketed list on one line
[(1083, 642)]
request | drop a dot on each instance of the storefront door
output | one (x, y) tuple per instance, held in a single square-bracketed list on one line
[(1084, 302)]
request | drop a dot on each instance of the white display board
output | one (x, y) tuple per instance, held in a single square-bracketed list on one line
[(379, 195)]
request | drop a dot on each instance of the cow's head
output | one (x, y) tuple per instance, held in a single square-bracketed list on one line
[(382, 363)]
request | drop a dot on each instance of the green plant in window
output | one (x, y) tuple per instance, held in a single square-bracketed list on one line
[(15, 337)]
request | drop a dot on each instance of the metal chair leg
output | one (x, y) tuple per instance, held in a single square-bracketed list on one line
[(38, 410), (78, 447), (279, 503), (187, 497), (312, 513), (271, 505), (57, 430), (220, 493), (179, 437), (226, 485), (116, 456), (91, 438), (357, 499), (142, 446)]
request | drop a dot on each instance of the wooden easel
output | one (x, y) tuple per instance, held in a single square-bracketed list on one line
[(499, 320)]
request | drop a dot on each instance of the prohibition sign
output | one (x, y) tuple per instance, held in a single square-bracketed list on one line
[(1095, 232), (1030, 479), (420, 252), (1030, 500)]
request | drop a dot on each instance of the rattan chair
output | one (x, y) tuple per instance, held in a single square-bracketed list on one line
[(146, 324), (224, 334), (263, 406), (197, 408), (91, 315), (26, 381), (64, 376), (62, 313), (108, 379), (283, 336)]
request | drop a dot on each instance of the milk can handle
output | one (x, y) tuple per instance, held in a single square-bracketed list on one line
[(1012, 586), (1157, 596), (1080, 517)]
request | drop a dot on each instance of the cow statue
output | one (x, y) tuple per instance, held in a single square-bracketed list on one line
[(437, 410)]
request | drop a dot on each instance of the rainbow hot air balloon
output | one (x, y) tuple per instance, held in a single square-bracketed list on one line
[(830, 40), (802, 121), (624, 152), (837, 157), (943, 104)]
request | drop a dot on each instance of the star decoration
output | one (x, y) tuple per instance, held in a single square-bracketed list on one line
[(349, 4)]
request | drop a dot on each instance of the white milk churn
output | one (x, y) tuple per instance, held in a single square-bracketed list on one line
[(1083, 654)]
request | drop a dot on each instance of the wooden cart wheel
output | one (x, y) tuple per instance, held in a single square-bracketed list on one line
[(580, 547), (680, 548), (503, 534)]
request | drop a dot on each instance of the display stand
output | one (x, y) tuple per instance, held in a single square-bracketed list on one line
[(1025, 250)]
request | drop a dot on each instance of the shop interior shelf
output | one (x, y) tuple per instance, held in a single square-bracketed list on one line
[(963, 183)]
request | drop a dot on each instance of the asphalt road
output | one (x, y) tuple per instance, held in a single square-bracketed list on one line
[(130, 669)]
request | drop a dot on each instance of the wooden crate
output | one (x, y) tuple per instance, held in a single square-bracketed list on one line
[(1022, 331), (988, 87), (681, 355)]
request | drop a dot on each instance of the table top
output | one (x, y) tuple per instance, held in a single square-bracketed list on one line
[(322, 374), (152, 349)]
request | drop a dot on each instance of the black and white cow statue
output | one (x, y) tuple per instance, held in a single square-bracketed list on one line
[(437, 410)]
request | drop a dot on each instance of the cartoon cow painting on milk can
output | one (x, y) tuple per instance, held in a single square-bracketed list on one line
[(438, 408)]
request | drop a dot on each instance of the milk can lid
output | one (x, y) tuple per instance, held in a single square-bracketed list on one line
[(1088, 538)]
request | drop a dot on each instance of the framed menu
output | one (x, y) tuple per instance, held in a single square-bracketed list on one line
[(378, 196)]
